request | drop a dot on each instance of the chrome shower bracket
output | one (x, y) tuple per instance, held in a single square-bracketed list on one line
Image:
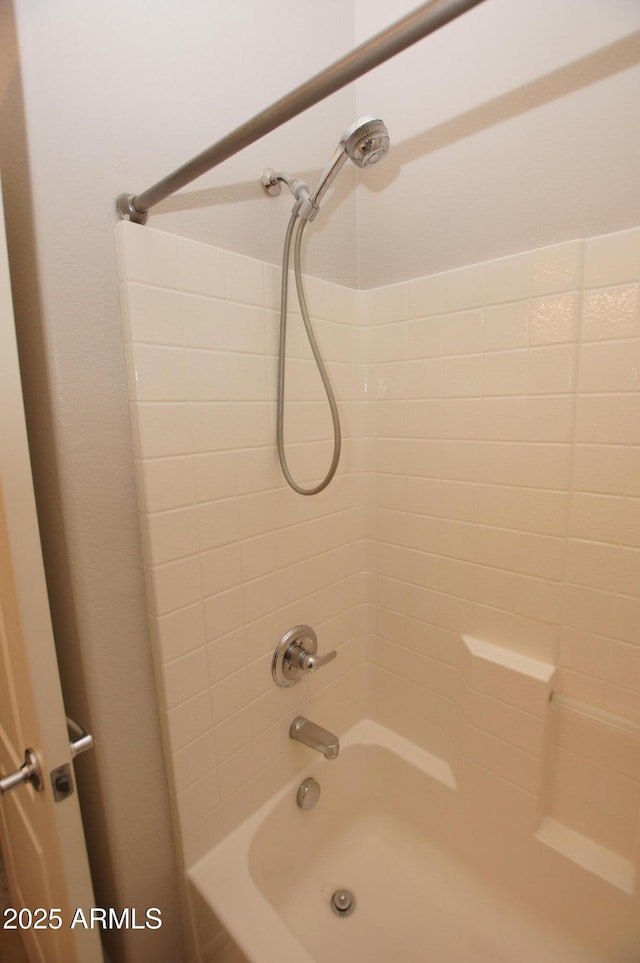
[(272, 182), (295, 655)]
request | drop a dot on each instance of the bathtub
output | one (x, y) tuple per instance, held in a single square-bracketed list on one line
[(435, 874)]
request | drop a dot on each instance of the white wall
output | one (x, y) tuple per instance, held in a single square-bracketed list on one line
[(512, 128)]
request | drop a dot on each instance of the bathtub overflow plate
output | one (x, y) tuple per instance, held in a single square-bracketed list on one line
[(343, 902), (308, 793)]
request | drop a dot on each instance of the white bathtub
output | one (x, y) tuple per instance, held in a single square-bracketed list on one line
[(434, 878)]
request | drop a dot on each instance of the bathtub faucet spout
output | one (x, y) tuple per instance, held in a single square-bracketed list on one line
[(307, 732)]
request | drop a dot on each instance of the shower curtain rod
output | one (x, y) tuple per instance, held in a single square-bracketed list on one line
[(424, 20)]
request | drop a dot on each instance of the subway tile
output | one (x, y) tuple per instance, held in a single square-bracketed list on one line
[(235, 772), (246, 328), (247, 377), (225, 656), (217, 523), (611, 313), (171, 535), (584, 652), (631, 523), (464, 288), (148, 256), (506, 326), (607, 366), (508, 278), (232, 734), (228, 696), (158, 373), (193, 761), (153, 315), (175, 585), (184, 678), (552, 369), (206, 375), (425, 337), (546, 465), (201, 268), (554, 319), (215, 475), (626, 623), (505, 722), (188, 721), (385, 304), (200, 838), (540, 555), (593, 564), (596, 517), (558, 268), (389, 342), (204, 322), (604, 419), (426, 296), (221, 569), (166, 483), (196, 801), (549, 418), (504, 373), (507, 761), (544, 512), (503, 419), (623, 665), (462, 333), (222, 613), (179, 632), (601, 469), (244, 279), (589, 609), (612, 258), (462, 376)]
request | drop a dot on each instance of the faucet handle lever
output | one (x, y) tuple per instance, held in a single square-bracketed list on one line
[(310, 662)]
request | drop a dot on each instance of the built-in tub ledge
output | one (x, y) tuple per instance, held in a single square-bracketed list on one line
[(370, 733), (510, 659), (223, 878), (588, 854)]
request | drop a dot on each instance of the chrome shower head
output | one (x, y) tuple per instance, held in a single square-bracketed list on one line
[(366, 142)]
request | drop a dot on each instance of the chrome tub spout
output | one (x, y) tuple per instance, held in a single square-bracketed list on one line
[(307, 732)]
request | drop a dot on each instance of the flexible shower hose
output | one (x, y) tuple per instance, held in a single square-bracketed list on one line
[(322, 371)]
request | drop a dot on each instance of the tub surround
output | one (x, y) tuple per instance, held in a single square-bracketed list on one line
[(458, 889), (478, 548)]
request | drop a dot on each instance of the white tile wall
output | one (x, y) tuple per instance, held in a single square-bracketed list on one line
[(489, 488), (234, 559)]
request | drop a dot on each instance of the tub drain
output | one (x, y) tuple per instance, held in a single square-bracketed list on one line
[(343, 902)]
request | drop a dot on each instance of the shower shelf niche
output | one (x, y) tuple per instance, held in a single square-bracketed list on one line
[(557, 748), (617, 754)]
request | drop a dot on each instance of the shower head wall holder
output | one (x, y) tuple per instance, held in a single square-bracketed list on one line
[(295, 656)]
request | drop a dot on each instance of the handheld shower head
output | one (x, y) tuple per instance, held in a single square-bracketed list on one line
[(365, 142)]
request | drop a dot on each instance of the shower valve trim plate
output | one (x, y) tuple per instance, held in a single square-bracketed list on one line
[(295, 655)]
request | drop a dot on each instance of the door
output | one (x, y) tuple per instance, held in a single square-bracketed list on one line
[(42, 839)]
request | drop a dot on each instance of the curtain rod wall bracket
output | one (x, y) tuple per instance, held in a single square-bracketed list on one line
[(126, 208)]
